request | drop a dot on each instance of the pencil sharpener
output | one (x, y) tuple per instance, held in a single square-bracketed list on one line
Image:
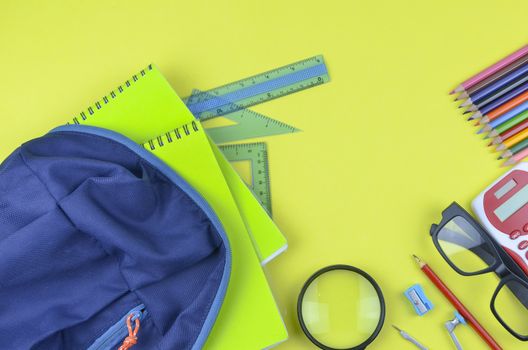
[(416, 295)]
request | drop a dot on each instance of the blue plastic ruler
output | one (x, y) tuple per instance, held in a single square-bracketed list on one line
[(232, 100), (258, 88), (248, 124)]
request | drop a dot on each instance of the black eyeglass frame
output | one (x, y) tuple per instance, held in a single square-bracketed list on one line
[(504, 266), (369, 278)]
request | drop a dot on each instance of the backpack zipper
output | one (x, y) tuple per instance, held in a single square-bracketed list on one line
[(114, 336), (191, 192)]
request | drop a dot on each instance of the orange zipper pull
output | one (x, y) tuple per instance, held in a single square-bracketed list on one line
[(131, 340)]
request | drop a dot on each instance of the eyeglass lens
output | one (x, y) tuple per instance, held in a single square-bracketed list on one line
[(511, 305), (464, 246)]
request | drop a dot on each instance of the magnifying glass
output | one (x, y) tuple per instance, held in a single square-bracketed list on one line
[(341, 307)]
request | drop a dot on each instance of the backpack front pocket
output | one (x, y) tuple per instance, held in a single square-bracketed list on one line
[(115, 335)]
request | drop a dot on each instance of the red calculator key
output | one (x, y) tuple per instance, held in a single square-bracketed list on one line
[(525, 228), (515, 234), (523, 245)]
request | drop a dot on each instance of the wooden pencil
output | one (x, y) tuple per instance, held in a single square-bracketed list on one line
[(507, 106), (509, 142), (457, 304), (507, 80), (495, 94), (509, 132), (491, 70), (493, 78), (515, 149), (516, 158), (498, 102), (506, 116)]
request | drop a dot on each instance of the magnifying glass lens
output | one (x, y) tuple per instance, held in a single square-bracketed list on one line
[(341, 309)]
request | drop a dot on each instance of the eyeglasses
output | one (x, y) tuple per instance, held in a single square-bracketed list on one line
[(470, 251)]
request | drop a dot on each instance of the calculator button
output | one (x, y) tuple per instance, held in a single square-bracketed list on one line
[(515, 234), (525, 227), (523, 245)]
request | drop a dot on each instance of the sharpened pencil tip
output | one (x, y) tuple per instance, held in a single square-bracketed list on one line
[(481, 131), (467, 102), (458, 89), (462, 96), (396, 328), (419, 261)]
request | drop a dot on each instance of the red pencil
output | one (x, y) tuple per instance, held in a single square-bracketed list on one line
[(514, 130), (457, 304)]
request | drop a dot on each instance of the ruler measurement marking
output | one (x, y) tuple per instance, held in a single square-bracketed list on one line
[(269, 74), (266, 96), (256, 153), (213, 102)]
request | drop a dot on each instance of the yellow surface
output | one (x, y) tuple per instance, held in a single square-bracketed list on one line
[(383, 149)]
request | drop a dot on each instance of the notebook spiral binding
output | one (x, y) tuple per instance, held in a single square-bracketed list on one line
[(112, 95), (171, 136)]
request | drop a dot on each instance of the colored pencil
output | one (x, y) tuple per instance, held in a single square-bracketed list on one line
[(515, 149), (492, 69), (515, 139), (504, 121), (502, 108), (499, 84), (509, 130), (493, 78), (495, 94), (506, 116), (471, 320), (516, 158), (498, 102)]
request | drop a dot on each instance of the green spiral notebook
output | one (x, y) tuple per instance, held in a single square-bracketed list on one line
[(140, 109), (145, 107)]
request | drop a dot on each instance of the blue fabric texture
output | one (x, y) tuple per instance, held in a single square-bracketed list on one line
[(90, 228)]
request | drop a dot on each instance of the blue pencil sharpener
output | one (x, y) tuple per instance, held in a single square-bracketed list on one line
[(417, 297)]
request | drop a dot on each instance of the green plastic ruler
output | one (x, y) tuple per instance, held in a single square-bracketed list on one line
[(232, 101), (249, 124), (257, 154), (258, 88)]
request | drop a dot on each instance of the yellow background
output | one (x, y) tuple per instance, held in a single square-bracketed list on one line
[(383, 148)]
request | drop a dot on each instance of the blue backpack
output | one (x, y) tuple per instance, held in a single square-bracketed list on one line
[(102, 245)]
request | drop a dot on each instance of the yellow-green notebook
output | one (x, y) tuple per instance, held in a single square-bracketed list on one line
[(249, 318), (145, 107)]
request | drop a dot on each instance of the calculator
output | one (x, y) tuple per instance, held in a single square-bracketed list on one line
[(502, 209)]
